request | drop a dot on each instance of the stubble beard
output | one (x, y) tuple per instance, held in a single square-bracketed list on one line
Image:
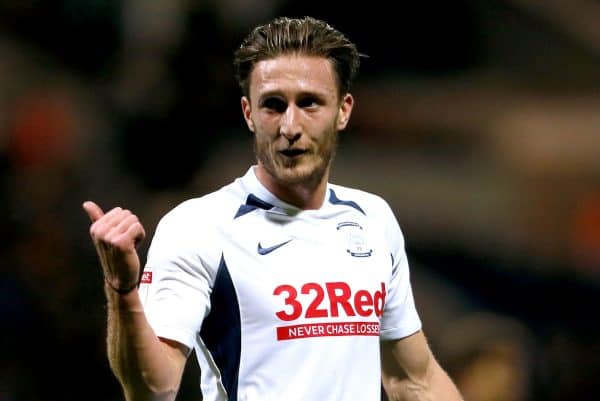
[(286, 172)]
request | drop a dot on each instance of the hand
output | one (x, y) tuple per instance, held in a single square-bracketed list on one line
[(115, 235)]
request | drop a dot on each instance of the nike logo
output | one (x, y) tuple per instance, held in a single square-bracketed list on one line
[(265, 251)]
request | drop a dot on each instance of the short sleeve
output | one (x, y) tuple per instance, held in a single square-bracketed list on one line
[(400, 317), (178, 276)]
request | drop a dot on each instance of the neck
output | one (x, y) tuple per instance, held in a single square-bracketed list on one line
[(304, 195)]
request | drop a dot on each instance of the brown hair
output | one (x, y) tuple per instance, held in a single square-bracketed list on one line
[(306, 36)]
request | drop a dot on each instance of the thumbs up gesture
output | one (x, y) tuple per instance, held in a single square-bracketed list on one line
[(115, 235)]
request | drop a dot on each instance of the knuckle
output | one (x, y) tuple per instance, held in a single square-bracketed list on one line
[(94, 231)]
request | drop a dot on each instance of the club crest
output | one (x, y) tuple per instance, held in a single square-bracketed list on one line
[(356, 244)]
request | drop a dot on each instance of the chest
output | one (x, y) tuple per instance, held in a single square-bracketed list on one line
[(306, 270)]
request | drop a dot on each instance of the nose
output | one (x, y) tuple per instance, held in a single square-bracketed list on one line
[(290, 126)]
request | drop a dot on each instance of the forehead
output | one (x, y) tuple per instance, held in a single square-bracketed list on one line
[(289, 74)]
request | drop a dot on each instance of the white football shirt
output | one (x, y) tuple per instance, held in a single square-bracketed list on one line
[(281, 303)]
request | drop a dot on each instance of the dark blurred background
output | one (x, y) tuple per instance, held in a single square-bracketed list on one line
[(479, 122)]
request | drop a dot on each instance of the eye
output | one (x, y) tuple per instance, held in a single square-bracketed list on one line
[(308, 102), (274, 104)]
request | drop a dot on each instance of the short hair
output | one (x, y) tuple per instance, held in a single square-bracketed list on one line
[(306, 36)]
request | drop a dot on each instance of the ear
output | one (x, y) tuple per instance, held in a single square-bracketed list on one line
[(345, 111), (247, 112)]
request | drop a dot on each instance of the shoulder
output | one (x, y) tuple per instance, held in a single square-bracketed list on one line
[(376, 209), (371, 204), (212, 209), (195, 228)]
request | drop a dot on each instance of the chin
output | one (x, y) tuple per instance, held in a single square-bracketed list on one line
[(300, 174)]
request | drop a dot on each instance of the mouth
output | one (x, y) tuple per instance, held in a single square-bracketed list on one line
[(292, 152)]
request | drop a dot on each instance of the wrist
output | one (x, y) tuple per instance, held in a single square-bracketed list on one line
[(120, 290), (128, 302)]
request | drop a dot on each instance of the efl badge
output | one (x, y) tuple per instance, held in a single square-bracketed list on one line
[(355, 239), (146, 278)]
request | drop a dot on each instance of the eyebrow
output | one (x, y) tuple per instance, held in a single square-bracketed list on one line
[(299, 95)]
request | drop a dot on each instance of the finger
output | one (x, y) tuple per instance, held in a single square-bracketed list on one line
[(102, 227), (115, 216), (126, 232), (125, 222), (93, 210), (123, 242), (137, 232)]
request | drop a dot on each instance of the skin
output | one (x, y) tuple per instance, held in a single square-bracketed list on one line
[(409, 372), (148, 368), (295, 112)]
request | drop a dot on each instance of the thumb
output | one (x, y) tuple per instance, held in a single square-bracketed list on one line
[(94, 211)]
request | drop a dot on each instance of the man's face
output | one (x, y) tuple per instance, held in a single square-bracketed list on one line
[(295, 113)]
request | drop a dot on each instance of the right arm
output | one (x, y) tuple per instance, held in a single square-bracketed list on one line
[(148, 368)]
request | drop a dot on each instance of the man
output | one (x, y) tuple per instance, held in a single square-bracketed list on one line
[(287, 287)]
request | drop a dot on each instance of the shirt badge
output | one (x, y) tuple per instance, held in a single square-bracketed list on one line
[(356, 244)]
